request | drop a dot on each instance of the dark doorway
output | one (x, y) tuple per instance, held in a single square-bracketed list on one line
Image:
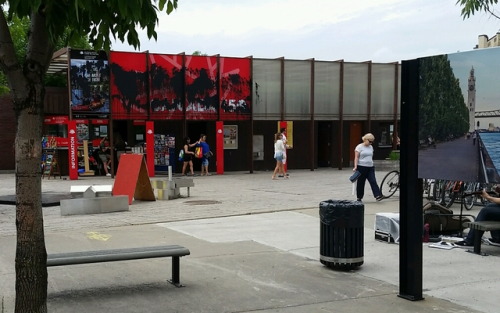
[(324, 144)]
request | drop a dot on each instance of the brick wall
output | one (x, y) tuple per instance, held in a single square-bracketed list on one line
[(56, 103)]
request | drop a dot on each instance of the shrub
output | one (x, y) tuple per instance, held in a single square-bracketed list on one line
[(394, 155)]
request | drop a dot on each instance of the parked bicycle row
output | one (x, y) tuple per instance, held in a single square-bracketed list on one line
[(444, 192), (447, 192)]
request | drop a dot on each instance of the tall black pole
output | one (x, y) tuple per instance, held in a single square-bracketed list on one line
[(410, 205)]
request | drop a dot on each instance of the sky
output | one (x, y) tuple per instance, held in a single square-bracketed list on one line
[(380, 31)]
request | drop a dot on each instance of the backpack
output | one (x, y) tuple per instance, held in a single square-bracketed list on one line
[(441, 219), (181, 155)]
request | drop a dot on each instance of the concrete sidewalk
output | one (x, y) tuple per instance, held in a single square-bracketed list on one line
[(254, 248)]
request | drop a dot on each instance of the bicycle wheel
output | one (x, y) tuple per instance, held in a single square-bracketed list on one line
[(390, 184), (469, 200), (448, 195), (438, 190)]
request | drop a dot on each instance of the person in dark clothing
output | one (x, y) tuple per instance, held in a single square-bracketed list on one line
[(188, 156)]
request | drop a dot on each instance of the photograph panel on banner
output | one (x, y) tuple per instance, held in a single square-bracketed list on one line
[(129, 85), (235, 88), (201, 88), (459, 116), (230, 136), (167, 86), (89, 81)]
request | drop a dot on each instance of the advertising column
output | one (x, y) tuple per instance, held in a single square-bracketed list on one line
[(150, 148), (72, 150), (219, 146), (287, 135)]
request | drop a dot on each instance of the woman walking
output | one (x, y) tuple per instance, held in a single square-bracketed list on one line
[(363, 163), (279, 154), (188, 156)]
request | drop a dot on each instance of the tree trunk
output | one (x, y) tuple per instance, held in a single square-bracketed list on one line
[(31, 256)]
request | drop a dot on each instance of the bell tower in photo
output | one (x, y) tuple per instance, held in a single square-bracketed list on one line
[(471, 99)]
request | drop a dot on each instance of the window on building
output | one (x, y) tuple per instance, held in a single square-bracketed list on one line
[(386, 133)]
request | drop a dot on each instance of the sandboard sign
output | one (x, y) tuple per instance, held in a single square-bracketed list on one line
[(132, 179)]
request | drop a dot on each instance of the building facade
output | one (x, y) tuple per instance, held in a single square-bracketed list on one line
[(485, 42), (327, 106)]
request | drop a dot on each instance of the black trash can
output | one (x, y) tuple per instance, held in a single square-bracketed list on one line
[(341, 233)]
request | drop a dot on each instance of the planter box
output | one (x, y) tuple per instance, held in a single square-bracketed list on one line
[(386, 165)]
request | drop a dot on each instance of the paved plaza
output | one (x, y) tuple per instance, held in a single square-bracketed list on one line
[(254, 246)]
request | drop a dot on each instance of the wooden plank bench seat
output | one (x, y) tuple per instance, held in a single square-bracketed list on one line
[(480, 228), (97, 256)]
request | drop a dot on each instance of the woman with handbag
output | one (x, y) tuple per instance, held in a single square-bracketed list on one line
[(205, 152), (363, 163), (279, 155)]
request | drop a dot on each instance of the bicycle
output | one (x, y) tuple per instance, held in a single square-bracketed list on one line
[(452, 190), (429, 186), (390, 184)]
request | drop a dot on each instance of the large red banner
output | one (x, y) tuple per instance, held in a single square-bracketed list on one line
[(235, 88), (167, 86), (201, 88), (129, 88)]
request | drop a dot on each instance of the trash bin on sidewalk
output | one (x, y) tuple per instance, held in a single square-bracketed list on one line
[(341, 233)]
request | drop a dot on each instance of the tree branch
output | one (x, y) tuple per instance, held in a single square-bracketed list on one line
[(40, 46), (9, 63), (491, 12)]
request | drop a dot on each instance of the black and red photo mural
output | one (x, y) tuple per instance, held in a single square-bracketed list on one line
[(201, 88), (129, 85), (166, 86), (235, 88)]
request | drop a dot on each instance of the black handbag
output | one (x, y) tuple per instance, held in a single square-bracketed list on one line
[(354, 177), (208, 154)]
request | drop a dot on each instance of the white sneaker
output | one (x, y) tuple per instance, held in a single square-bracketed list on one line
[(108, 174)]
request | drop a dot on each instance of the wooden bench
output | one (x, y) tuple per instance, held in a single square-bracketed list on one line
[(84, 257), (480, 228)]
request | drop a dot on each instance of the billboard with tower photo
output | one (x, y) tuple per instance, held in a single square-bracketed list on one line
[(459, 116)]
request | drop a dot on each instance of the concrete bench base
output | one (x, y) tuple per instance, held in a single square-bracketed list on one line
[(167, 190), (480, 228), (94, 205), (86, 191), (84, 257)]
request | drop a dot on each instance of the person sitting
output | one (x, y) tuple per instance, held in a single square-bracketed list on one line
[(491, 212), (105, 155)]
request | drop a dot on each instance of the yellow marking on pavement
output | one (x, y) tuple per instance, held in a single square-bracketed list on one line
[(98, 236)]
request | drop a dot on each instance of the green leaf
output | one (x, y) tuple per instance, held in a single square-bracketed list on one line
[(162, 4), (122, 7)]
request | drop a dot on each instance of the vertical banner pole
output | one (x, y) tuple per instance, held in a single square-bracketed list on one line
[(219, 147), (283, 124), (410, 201), (72, 150), (150, 146)]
